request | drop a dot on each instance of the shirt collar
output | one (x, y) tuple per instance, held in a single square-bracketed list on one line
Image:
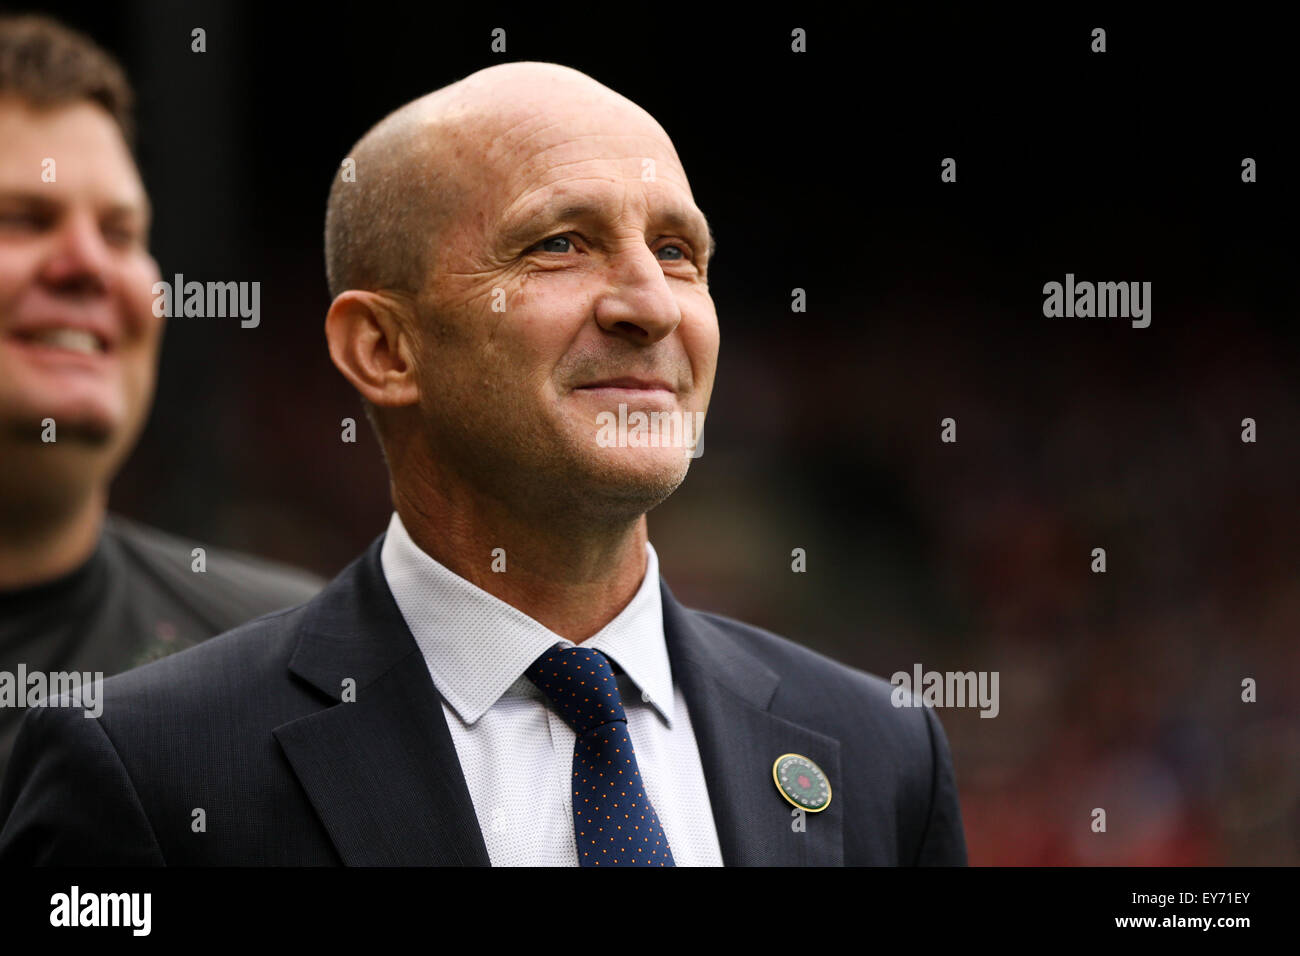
[(476, 645)]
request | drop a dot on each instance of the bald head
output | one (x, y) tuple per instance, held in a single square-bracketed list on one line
[(381, 212), (381, 224)]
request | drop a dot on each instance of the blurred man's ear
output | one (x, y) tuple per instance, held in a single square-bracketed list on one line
[(370, 344)]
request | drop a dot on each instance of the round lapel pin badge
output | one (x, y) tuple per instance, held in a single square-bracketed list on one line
[(802, 782)]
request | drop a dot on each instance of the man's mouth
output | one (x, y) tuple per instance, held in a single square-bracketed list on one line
[(628, 384), (81, 341)]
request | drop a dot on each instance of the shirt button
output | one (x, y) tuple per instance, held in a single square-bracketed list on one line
[(645, 698)]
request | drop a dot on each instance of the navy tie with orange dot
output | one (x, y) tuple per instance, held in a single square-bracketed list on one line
[(613, 821)]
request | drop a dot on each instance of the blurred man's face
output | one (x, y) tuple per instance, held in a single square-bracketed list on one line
[(603, 306), (78, 337)]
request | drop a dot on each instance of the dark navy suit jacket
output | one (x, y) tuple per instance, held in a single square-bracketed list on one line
[(249, 728)]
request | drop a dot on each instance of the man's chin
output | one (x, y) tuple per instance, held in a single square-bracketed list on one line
[(81, 427), (635, 479)]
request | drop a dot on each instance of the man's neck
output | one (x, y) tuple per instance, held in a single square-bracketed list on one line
[(42, 540), (572, 580)]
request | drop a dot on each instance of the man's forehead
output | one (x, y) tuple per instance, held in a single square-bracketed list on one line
[(66, 150), (526, 130), (519, 146), (567, 171)]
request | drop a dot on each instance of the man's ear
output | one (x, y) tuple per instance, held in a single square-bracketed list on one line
[(370, 343)]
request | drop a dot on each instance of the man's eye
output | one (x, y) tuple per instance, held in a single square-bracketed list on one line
[(560, 238), (119, 235), (22, 220), (682, 254)]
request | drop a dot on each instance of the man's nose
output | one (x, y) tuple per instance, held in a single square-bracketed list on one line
[(79, 260), (639, 303)]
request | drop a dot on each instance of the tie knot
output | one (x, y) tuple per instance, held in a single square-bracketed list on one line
[(580, 684)]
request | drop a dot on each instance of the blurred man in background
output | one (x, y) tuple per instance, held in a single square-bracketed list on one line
[(82, 590)]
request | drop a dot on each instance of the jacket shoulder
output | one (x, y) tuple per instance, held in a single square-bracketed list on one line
[(244, 667), (233, 587)]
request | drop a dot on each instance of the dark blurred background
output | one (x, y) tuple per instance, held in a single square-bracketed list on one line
[(821, 171)]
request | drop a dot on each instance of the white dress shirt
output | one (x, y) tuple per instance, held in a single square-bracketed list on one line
[(514, 749)]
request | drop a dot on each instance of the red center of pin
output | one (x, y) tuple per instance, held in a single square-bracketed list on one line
[(804, 782)]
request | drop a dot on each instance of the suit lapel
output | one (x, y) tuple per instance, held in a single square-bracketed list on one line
[(381, 771), (729, 693)]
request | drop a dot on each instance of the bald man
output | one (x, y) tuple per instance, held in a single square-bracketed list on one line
[(516, 262)]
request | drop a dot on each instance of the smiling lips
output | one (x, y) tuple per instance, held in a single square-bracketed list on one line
[(82, 334), (81, 341)]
